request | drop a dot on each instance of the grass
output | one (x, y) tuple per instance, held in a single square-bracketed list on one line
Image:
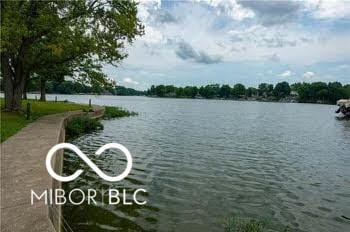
[(12, 122), (117, 112), (235, 224), (82, 125), (238, 224)]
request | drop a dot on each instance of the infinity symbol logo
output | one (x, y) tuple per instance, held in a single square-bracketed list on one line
[(98, 171)]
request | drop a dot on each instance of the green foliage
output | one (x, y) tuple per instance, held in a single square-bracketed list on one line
[(281, 90), (238, 90), (123, 91), (11, 122), (321, 92), (251, 91), (225, 91), (52, 39), (346, 91), (317, 92), (117, 112), (235, 224), (74, 87), (189, 91), (210, 91), (265, 90), (82, 125)]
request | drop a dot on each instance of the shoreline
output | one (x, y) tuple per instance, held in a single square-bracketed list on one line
[(218, 99), (23, 155), (239, 100)]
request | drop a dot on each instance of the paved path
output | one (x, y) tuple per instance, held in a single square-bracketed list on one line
[(23, 168)]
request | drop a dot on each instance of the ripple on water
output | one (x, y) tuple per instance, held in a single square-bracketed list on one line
[(201, 161)]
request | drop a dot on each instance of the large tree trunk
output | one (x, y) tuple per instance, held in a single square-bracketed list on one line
[(14, 74), (13, 85), (42, 89), (13, 94)]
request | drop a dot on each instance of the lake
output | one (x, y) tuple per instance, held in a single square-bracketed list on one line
[(204, 161)]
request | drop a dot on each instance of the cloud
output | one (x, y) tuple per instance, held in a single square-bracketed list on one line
[(128, 80), (152, 35), (230, 8), (227, 34), (277, 42), (186, 52), (343, 66), (273, 57), (286, 73), (328, 9), (309, 74), (274, 12), (165, 17)]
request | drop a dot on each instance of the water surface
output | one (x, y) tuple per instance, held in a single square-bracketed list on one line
[(202, 161)]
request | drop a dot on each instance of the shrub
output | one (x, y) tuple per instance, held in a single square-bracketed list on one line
[(117, 112), (237, 224), (82, 125), (243, 225)]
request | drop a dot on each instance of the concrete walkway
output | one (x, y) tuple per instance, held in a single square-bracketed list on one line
[(23, 168)]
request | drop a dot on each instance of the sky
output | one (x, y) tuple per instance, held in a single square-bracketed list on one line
[(233, 41)]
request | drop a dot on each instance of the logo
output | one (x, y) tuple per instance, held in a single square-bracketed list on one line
[(93, 166), (78, 196)]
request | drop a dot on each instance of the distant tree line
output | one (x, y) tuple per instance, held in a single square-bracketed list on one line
[(317, 92), (75, 87)]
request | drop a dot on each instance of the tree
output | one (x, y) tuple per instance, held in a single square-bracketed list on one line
[(123, 91), (265, 90), (225, 91), (190, 91), (335, 91), (251, 91), (281, 90), (346, 91), (179, 92), (160, 90), (43, 33), (319, 91), (55, 72), (238, 90), (210, 91)]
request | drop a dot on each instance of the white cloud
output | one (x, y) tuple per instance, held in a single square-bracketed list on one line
[(231, 8), (153, 35), (286, 73), (328, 9), (308, 75), (129, 80), (222, 33), (145, 6)]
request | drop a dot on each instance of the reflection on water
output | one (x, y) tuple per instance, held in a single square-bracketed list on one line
[(103, 216), (204, 160)]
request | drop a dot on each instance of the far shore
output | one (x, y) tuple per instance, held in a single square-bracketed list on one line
[(166, 97)]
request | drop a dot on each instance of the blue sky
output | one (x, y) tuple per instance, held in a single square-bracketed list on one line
[(232, 41)]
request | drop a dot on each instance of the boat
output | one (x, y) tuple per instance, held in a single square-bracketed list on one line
[(344, 109)]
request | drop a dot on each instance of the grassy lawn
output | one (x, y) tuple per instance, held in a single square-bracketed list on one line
[(13, 122)]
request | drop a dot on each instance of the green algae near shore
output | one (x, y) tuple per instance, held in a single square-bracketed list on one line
[(117, 112), (84, 124)]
